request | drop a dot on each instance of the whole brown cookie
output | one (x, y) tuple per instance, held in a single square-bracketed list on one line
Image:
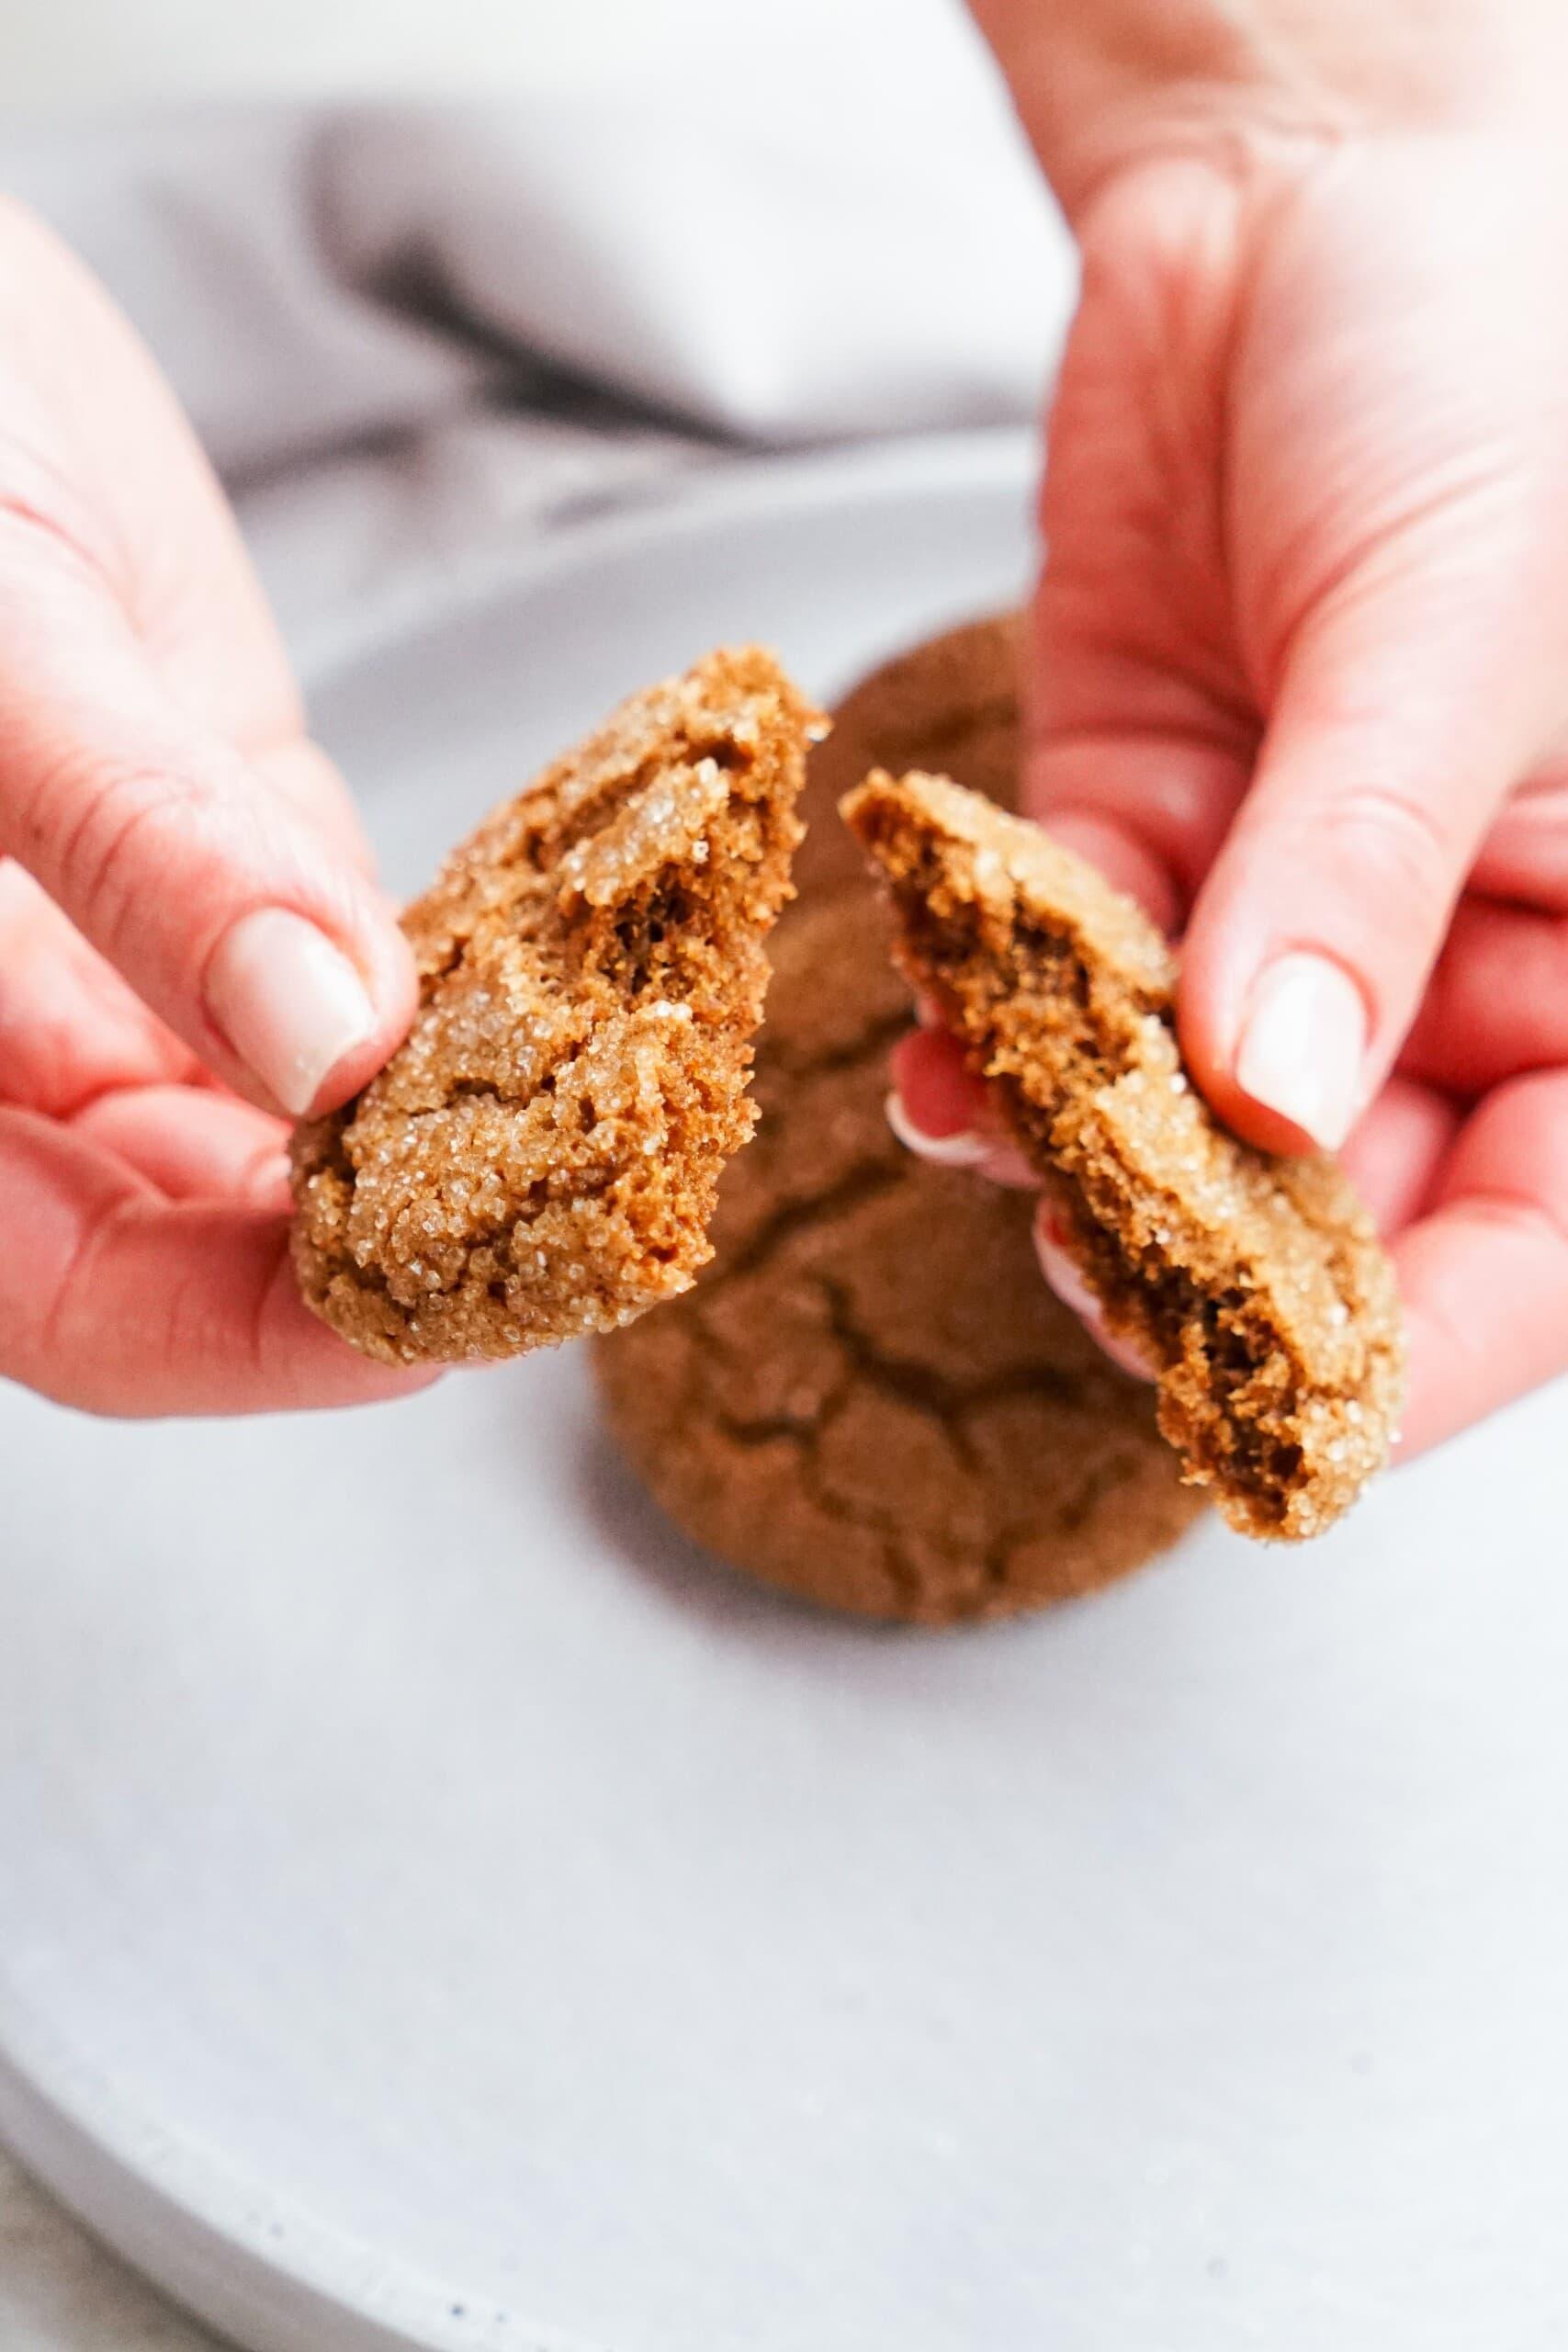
[(950, 703), (1254, 1283), (871, 1397), (540, 1158)]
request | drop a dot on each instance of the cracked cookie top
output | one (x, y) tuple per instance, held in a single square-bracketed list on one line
[(1254, 1283), (540, 1158)]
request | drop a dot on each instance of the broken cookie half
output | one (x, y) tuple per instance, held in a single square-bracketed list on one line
[(540, 1158), (1254, 1285)]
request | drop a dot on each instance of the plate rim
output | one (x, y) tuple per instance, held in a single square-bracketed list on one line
[(980, 459)]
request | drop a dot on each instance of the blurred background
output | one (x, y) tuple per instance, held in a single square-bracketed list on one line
[(430, 281), (301, 48)]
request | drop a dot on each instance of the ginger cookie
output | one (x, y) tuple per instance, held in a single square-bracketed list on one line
[(951, 703), (1254, 1285), (541, 1157), (871, 1398)]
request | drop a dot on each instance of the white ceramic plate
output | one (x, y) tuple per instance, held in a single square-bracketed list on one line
[(439, 1910)]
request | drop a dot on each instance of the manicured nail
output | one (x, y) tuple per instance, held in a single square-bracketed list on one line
[(271, 1185), (289, 1003), (963, 1149), (1304, 1047)]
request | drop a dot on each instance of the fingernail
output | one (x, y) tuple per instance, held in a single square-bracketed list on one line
[(962, 1148), (1304, 1047), (1062, 1275), (289, 1003), (271, 1182)]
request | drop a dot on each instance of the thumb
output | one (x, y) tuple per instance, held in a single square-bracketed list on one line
[(234, 917), (1395, 735)]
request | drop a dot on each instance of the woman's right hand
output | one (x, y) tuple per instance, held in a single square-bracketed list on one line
[(1300, 647)]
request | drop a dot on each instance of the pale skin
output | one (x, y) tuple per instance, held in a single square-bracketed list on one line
[(1300, 647), (1300, 682), (156, 787)]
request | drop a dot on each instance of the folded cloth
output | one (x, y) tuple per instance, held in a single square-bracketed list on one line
[(403, 329)]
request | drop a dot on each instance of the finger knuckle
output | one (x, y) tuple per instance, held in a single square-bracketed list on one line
[(111, 829), (1390, 842)]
